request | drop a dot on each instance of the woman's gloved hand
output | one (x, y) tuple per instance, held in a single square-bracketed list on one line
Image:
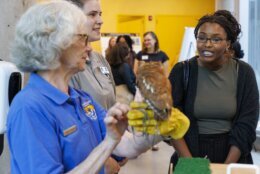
[(141, 118)]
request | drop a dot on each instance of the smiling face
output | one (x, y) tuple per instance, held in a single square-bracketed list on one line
[(149, 42), (93, 12), (212, 44)]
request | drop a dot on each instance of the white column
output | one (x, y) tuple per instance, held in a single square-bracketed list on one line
[(11, 11), (225, 5), (244, 21)]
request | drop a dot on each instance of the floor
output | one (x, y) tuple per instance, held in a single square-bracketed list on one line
[(156, 162), (151, 162), (5, 160)]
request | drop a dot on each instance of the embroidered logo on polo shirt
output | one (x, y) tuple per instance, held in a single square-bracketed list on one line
[(89, 110)]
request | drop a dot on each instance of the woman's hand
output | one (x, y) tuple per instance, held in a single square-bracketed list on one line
[(116, 124), (116, 121), (233, 155)]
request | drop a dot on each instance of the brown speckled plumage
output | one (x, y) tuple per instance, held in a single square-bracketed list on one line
[(155, 88)]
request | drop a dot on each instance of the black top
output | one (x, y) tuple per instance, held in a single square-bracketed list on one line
[(243, 130), (131, 59), (1, 143), (123, 74), (147, 57)]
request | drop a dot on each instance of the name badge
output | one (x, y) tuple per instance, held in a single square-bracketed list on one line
[(104, 70), (70, 130), (145, 57)]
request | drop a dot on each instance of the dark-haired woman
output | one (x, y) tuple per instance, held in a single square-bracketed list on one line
[(221, 99), (122, 72), (151, 52), (132, 55)]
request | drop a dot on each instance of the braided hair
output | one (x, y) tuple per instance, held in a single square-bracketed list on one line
[(226, 20), (238, 52)]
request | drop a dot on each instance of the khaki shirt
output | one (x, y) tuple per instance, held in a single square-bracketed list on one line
[(97, 80)]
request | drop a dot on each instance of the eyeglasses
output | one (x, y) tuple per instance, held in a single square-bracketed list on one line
[(214, 40), (84, 37)]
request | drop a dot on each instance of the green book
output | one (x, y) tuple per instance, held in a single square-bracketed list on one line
[(192, 166)]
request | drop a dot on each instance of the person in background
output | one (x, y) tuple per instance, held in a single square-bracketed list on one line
[(97, 77), (151, 52), (120, 38), (111, 44), (122, 72), (132, 55), (221, 99)]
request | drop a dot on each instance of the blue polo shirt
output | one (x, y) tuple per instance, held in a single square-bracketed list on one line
[(50, 132)]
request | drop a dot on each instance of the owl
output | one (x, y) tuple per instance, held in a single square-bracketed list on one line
[(155, 88)]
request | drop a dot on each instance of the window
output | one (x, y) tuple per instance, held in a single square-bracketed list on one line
[(254, 37)]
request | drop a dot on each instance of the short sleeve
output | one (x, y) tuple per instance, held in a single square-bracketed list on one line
[(139, 56), (33, 140), (164, 57)]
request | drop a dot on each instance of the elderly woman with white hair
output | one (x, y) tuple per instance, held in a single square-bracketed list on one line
[(51, 127)]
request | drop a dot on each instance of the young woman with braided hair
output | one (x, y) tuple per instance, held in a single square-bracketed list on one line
[(221, 99)]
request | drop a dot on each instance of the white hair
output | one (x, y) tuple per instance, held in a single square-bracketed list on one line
[(43, 32)]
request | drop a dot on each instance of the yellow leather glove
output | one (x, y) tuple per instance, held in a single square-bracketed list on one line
[(141, 118)]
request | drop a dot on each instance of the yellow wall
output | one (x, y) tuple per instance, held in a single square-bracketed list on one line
[(170, 30), (112, 8), (132, 24), (161, 11)]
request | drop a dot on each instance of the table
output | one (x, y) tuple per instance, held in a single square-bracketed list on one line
[(222, 168)]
